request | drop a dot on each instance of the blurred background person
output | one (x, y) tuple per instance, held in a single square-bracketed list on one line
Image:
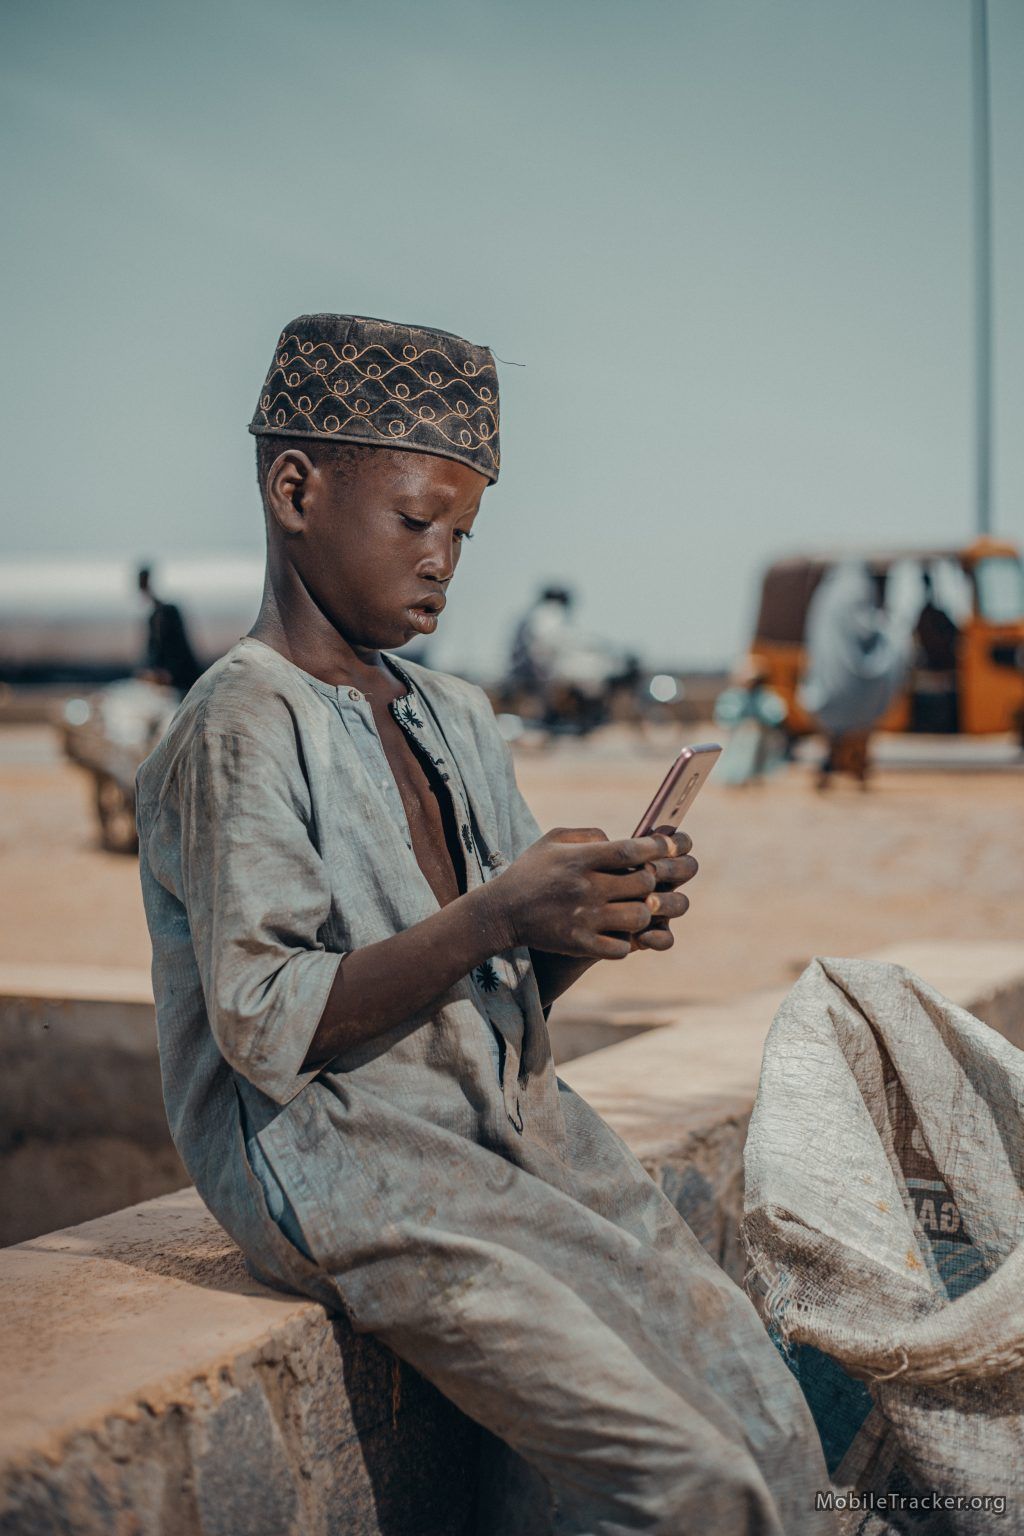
[(558, 672), (935, 702), (542, 641), (109, 733), (754, 715), (169, 657), (858, 658), (936, 633)]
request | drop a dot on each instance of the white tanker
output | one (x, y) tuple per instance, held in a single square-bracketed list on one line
[(66, 619)]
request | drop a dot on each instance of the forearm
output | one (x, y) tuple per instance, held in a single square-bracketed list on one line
[(382, 984), (556, 973)]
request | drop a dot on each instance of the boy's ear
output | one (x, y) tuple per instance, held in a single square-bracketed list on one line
[(287, 484)]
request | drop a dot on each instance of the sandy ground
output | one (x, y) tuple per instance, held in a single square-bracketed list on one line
[(929, 852)]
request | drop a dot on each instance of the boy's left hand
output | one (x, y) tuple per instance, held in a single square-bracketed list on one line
[(667, 900)]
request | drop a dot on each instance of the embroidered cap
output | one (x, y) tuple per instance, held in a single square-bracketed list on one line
[(359, 380)]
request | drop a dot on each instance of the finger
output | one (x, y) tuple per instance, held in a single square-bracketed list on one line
[(628, 852), (606, 947), (602, 946), (673, 872), (667, 904), (656, 922), (624, 917), (684, 844), (655, 938), (629, 884)]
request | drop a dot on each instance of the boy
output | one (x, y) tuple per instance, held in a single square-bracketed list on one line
[(357, 930)]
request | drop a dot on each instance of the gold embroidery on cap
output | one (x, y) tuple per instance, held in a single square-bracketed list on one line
[(451, 421)]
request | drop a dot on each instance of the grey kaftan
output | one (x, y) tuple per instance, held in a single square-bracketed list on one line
[(444, 1188)]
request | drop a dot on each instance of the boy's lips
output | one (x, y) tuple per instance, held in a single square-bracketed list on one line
[(423, 614)]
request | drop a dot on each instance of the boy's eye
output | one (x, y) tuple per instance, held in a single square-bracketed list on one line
[(419, 523)]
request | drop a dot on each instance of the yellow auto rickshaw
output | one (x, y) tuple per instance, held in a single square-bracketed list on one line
[(972, 683)]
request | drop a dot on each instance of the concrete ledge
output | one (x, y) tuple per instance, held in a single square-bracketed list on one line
[(78, 1054), (156, 1389), (82, 1124)]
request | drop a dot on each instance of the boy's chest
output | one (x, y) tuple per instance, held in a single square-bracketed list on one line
[(433, 826)]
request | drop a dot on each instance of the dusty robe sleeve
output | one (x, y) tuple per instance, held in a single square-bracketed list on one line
[(257, 898), (522, 822)]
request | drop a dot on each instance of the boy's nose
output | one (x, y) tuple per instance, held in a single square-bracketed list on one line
[(440, 560)]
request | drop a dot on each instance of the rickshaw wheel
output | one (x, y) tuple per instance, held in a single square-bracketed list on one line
[(116, 811)]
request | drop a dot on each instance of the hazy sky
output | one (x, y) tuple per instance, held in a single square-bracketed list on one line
[(730, 240)]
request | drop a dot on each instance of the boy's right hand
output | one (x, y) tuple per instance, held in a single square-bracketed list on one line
[(575, 893)]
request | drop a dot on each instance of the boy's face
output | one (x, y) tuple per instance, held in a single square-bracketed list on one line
[(378, 542)]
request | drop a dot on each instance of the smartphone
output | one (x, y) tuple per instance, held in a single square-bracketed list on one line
[(679, 788)]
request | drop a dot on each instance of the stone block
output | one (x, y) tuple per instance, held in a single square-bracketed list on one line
[(157, 1389)]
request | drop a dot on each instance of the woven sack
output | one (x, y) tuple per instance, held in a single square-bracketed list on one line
[(884, 1225)]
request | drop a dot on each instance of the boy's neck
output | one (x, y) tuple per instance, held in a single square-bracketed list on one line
[(308, 640)]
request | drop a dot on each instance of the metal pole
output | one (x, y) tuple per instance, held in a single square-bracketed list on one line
[(982, 266)]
